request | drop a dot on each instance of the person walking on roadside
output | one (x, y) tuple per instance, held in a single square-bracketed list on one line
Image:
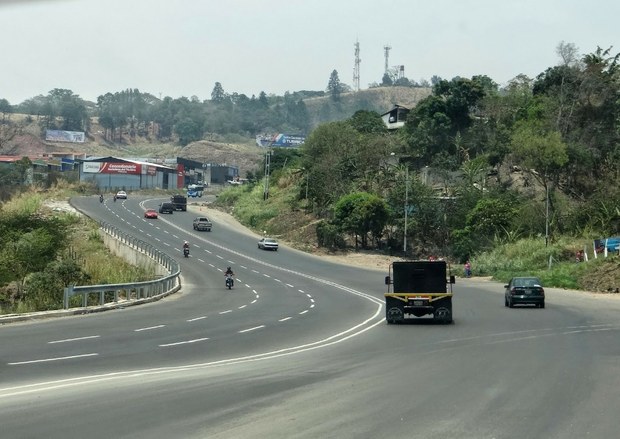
[(467, 269)]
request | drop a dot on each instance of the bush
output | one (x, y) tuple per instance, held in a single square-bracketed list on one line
[(44, 290), (328, 236)]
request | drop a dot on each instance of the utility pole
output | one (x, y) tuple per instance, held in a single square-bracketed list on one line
[(406, 208), (267, 171), (546, 212)]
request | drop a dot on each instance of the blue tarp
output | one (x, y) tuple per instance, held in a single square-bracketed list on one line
[(612, 244)]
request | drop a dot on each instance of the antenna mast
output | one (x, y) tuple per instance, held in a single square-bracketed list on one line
[(386, 51), (356, 68)]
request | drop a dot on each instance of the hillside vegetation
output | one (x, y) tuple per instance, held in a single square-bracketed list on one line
[(43, 250), (515, 179)]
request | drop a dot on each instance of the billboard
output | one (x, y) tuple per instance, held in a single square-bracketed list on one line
[(111, 168), (64, 136), (280, 140)]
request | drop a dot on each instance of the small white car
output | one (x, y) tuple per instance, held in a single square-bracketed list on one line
[(121, 195), (202, 223), (268, 244)]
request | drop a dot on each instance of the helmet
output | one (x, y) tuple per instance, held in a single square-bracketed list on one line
[(186, 242)]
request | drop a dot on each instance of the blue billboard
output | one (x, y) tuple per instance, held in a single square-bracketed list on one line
[(280, 140)]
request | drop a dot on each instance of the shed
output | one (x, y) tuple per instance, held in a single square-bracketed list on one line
[(396, 117)]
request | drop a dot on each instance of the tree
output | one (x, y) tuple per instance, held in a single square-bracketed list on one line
[(568, 53), (334, 87), (263, 101), (539, 149), (428, 129), (368, 122), (328, 156), (461, 97), (31, 252), (28, 242), (218, 95), (44, 289), (543, 151), (489, 217), (5, 108), (7, 133), (435, 80), (22, 166), (70, 108), (126, 108), (188, 131), (435, 124), (361, 213), (386, 80)]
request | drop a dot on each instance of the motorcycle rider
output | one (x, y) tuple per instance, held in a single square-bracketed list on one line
[(230, 273), (186, 248), (101, 198)]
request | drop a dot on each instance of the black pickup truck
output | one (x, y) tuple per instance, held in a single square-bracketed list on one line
[(179, 202)]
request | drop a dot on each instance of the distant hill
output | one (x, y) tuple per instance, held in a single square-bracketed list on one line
[(381, 99), (21, 135)]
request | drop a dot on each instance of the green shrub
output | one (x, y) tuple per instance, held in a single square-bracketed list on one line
[(328, 235)]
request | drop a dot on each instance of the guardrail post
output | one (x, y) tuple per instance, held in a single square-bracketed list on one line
[(68, 293)]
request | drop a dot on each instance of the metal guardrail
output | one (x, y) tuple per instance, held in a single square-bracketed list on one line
[(132, 291)]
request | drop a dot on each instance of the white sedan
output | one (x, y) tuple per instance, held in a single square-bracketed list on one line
[(121, 195), (268, 244)]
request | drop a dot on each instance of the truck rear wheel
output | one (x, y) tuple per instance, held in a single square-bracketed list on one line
[(394, 315), (443, 315)]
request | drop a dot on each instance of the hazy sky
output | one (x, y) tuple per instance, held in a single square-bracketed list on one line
[(182, 47)]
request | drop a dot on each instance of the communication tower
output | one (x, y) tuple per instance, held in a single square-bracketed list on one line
[(356, 68), (386, 51)]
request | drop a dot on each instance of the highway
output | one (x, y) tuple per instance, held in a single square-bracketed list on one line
[(299, 348)]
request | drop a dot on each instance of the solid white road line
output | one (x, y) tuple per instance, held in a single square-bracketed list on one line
[(66, 340), (47, 360)]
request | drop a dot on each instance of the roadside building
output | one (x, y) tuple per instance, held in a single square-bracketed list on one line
[(113, 173), (192, 171)]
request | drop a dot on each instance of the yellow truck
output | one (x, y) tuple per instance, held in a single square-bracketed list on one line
[(417, 289)]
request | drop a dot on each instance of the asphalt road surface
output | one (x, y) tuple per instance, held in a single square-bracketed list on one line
[(299, 348)]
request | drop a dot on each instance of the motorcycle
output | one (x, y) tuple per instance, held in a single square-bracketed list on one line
[(101, 198), (186, 252), (229, 281)]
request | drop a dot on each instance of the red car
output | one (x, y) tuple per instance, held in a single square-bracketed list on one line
[(150, 213)]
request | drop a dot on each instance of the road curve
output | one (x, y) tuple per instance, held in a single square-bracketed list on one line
[(299, 349)]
